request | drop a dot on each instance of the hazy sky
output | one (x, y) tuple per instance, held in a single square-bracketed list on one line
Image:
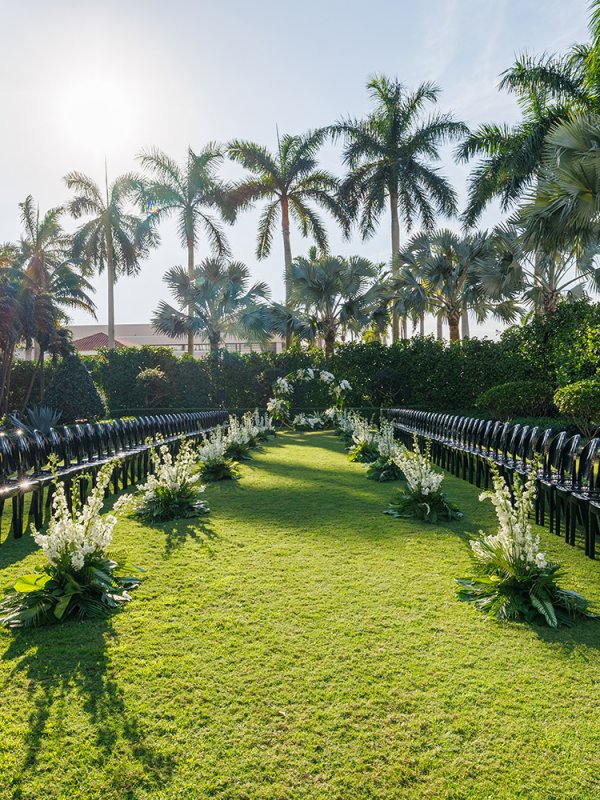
[(83, 78)]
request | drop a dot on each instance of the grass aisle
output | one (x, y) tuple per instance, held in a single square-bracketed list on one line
[(301, 645)]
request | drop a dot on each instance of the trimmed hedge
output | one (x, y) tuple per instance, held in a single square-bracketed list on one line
[(580, 402), (517, 399), (73, 392), (421, 372)]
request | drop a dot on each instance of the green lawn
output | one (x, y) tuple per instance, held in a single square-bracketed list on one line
[(301, 644)]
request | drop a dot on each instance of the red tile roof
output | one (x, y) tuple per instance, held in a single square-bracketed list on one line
[(94, 342)]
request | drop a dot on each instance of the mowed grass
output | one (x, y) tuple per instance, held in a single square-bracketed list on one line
[(301, 644)]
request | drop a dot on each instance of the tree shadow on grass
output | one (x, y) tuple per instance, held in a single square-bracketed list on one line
[(69, 664), (14, 550), (181, 531)]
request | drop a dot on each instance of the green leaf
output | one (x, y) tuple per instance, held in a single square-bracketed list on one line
[(32, 583), (62, 605)]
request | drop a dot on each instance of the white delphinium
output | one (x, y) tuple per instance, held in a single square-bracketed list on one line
[(361, 431), (172, 478), (418, 470), (74, 535), (212, 451), (263, 423), (331, 414), (515, 538), (386, 444), (238, 432)]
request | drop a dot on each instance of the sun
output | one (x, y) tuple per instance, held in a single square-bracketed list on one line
[(97, 115)]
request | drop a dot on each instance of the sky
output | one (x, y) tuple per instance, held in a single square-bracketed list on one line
[(85, 80)]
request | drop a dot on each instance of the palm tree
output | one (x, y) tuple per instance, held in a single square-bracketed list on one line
[(290, 181), (45, 256), (549, 89), (222, 303), (389, 156), (565, 207), (113, 238), (11, 317), (189, 192), (334, 294), (539, 277), (440, 273)]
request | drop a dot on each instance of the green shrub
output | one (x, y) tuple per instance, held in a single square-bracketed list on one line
[(73, 392), (580, 402), (156, 386), (516, 399)]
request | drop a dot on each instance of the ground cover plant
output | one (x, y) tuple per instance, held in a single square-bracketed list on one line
[(299, 643)]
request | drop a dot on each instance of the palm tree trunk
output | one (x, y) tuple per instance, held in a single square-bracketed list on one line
[(422, 325), (329, 344), (110, 272), (32, 382), (404, 328), (454, 327), (8, 358), (190, 336), (465, 324), (6, 369), (287, 259), (395, 251), (440, 328), (42, 377)]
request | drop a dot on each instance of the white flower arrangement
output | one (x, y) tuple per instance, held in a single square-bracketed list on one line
[(278, 407), (342, 387), (386, 467), (82, 534), (423, 497), (263, 424), (283, 386), (419, 472), (79, 578), (310, 421), (214, 463), (326, 377), (515, 538), (513, 579), (172, 490)]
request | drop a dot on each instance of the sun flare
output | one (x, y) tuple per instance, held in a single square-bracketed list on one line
[(97, 114)]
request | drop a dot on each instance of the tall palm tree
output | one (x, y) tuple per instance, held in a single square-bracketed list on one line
[(539, 277), (291, 182), (390, 157), (334, 293), (549, 89), (222, 303), (45, 256), (565, 206), (113, 238), (440, 273), (189, 192)]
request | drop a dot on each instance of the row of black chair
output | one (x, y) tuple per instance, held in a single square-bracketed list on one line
[(567, 470), (81, 450)]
